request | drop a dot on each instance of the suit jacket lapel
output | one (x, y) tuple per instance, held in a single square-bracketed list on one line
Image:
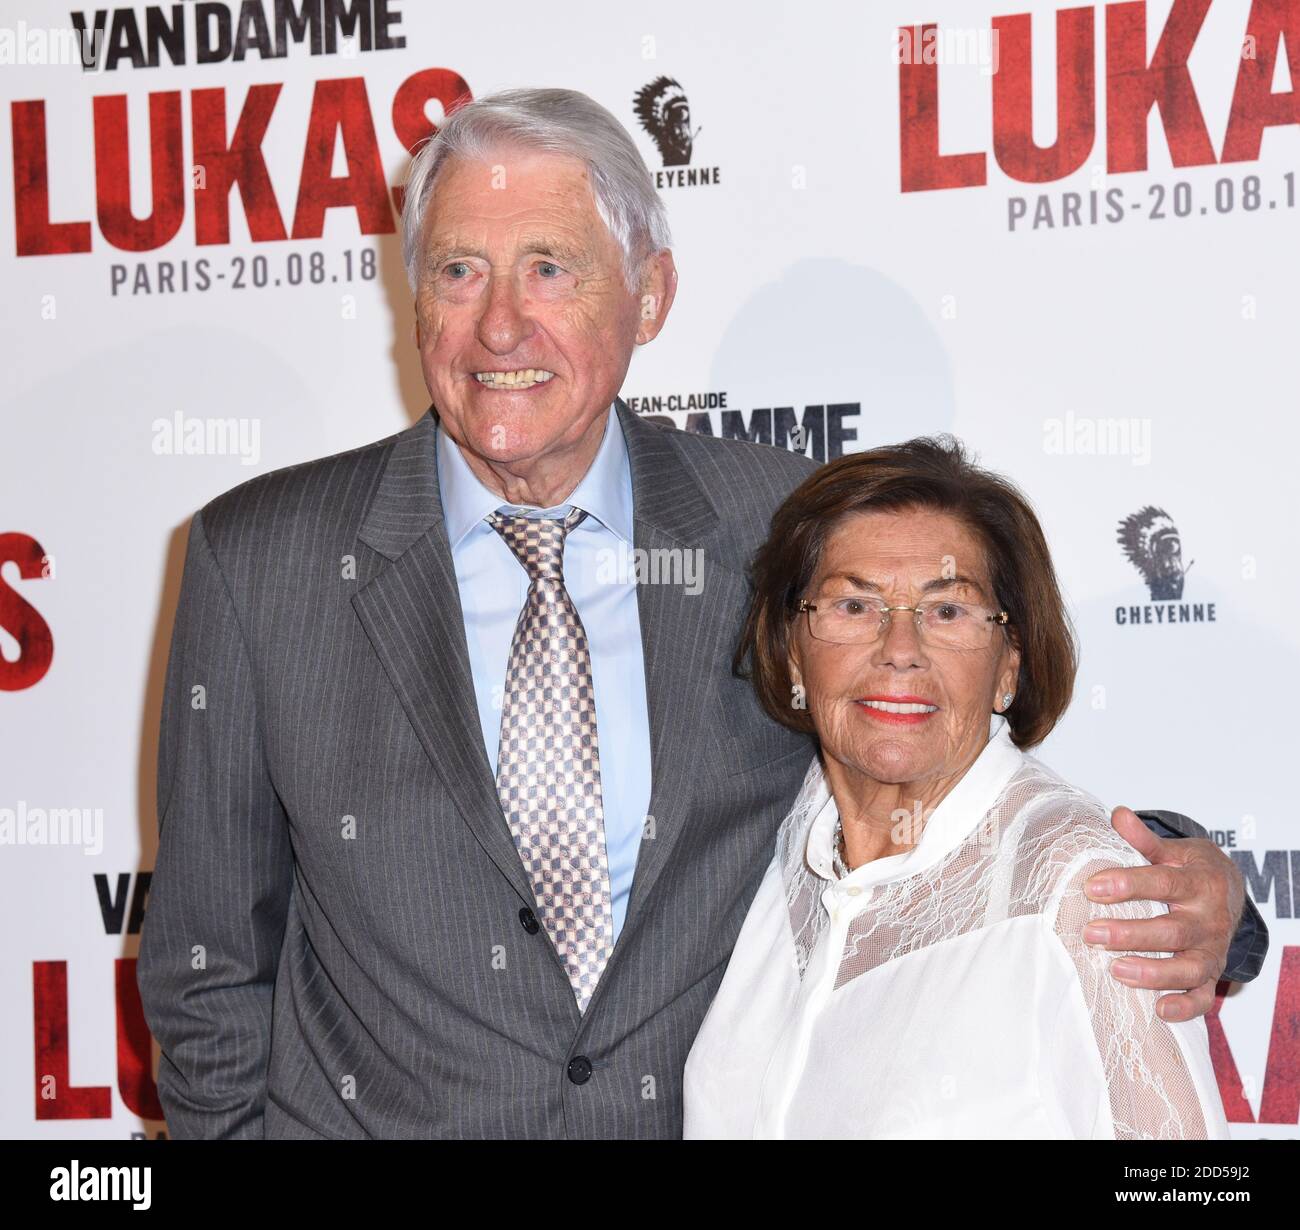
[(683, 637), (412, 614)]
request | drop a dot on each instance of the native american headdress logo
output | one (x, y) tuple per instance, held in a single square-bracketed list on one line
[(665, 114), (1150, 540)]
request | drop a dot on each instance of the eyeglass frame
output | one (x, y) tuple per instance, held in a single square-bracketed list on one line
[(998, 618)]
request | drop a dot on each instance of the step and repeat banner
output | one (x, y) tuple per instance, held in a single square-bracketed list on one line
[(1066, 234)]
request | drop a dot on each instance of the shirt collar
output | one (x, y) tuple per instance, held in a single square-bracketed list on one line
[(957, 816), (604, 491)]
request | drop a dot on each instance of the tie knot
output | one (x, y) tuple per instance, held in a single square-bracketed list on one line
[(538, 542)]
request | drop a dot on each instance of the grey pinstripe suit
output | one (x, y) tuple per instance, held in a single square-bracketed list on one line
[(333, 944), (371, 977)]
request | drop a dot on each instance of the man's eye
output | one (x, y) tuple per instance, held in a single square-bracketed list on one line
[(453, 267), (549, 270)]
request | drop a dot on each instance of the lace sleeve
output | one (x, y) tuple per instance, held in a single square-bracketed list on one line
[(1151, 1089)]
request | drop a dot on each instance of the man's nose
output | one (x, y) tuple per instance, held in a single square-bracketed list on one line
[(503, 323), (900, 643)]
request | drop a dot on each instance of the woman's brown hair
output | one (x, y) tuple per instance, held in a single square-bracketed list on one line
[(926, 473)]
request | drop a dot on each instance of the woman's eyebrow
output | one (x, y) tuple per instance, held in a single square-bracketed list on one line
[(954, 582), (856, 581)]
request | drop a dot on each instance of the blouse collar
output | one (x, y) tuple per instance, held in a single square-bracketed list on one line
[(958, 814)]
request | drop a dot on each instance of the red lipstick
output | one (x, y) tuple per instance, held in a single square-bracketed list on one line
[(912, 718)]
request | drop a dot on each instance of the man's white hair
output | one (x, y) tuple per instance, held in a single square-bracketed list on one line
[(561, 121)]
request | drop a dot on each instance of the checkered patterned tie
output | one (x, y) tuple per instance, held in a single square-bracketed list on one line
[(548, 766)]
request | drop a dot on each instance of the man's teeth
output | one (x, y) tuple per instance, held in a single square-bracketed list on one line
[(514, 380), (889, 706)]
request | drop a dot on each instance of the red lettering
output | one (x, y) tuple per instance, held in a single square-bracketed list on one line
[(410, 122), (22, 620), (1133, 86), (1013, 98), (1235, 1107), (923, 167), (341, 107), (134, 1046), (113, 172), (1254, 108), (238, 164), (1280, 1100), (36, 234), (56, 1096)]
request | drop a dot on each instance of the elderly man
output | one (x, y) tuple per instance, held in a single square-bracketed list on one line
[(462, 835)]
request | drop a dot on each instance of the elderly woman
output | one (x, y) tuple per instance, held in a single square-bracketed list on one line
[(912, 965)]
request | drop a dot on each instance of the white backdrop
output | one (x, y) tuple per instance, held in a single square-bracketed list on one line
[(1108, 366)]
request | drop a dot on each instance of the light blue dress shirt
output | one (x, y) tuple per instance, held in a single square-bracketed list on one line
[(493, 586)]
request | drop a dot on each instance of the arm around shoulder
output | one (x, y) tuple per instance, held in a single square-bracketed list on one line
[(1250, 941), (1158, 1079)]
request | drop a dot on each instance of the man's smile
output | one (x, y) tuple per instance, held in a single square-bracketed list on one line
[(515, 381)]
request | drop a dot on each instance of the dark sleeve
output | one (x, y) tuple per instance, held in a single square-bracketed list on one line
[(213, 926), (1250, 943)]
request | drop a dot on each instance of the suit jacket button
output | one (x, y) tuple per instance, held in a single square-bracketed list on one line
[(580, 1069), (529, 920)]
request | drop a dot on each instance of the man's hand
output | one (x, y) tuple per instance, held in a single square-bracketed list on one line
[(1205, 894)]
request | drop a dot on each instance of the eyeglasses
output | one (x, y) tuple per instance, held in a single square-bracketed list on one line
[(941, 624)]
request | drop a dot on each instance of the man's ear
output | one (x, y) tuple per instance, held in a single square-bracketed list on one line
[(657, 291)]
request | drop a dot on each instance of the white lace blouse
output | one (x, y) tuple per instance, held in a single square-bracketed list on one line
[(945, 992)]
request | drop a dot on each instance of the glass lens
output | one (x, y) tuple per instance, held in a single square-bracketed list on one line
[(958, 625), (850, 620), (846, 620)]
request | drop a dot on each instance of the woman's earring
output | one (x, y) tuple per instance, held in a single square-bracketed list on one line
[(1006, 700)]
